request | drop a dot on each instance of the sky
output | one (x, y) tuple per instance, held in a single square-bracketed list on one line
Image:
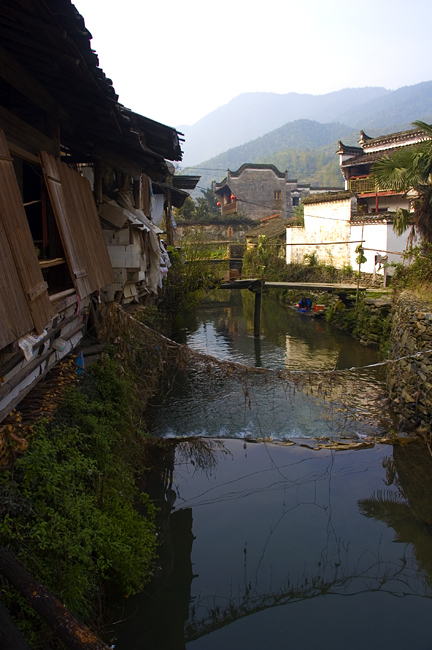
[(176, 61)]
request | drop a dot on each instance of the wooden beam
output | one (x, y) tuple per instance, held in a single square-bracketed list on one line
[(23, 135), (19, 77), (325, 243), (257, 311), (22, 153)]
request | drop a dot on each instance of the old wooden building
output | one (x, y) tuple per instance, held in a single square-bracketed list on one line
[(72, 159)]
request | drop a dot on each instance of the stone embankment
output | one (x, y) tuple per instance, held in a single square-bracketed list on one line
[(410, 380)]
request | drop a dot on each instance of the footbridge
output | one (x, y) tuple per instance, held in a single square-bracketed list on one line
[(256, 284), (258, 287)]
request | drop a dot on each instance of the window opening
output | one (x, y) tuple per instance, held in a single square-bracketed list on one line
[(43, 227)]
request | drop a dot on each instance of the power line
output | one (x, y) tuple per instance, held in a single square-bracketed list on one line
[(286, 211)]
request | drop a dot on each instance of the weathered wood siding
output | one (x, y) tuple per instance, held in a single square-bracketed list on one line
[(79, 226), (18, 236), (15, 317)]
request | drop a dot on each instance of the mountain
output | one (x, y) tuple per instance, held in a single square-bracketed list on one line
[(400, 106), (251, 115), (306, 148)]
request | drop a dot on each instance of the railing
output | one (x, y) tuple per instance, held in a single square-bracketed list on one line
[(363, 185), (229, 208)]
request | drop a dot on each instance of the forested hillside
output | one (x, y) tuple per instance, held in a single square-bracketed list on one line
[(291, 147), (307, 149), (402, 106), (251, 115)]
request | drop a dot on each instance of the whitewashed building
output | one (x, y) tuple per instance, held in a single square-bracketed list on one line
[(336, 223)]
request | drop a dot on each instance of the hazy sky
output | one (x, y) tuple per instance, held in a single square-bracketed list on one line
[(175, 61)]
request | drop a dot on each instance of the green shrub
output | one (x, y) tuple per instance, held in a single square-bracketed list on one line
[(68, 506), (417, 272)]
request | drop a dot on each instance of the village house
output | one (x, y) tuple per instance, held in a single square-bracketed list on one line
[(335, 224), (259, 191), (83, 181)]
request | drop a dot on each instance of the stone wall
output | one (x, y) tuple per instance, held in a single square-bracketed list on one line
[(255, 191), (410, 380)]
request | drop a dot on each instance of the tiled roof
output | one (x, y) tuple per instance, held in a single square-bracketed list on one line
[(395, 138), (273, 228), (366, 159), (379, 217), (346, 149), (328, 197)]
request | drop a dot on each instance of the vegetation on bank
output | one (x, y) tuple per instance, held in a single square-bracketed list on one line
[(366, 322), (268, 261), (416, 275), (70, 509)]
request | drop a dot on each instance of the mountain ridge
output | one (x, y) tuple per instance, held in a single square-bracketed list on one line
[(369, 109), (305, 148), (251, 115)]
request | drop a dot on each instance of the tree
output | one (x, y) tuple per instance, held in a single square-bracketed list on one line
[(211, 199), (409, 170), (187, 212), (203, 210)]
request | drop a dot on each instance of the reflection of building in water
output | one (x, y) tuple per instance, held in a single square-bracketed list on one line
[(408, 510), (300, 355), (228, 326)]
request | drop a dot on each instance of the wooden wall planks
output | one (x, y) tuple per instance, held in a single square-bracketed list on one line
[(18, 235), (79, 225)]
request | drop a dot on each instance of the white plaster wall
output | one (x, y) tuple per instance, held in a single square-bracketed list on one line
[(378, 237), (396, 243), (375, 237), (324, 222), (392, 202)]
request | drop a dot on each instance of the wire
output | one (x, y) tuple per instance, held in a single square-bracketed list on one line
[(277, 211)]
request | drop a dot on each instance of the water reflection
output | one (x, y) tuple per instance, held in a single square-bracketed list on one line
[(408, 510), (214, 404), (289, 340), (260, 545)]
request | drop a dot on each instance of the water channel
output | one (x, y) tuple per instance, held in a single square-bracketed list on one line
[(273, 545)]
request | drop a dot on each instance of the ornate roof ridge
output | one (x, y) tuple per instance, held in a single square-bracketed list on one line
[(263, 166), (348, 149), (399, 136)]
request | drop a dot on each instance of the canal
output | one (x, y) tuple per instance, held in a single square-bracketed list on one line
[(268, 542)]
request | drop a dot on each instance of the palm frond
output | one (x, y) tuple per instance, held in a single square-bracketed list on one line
[(393, 173), (402, 221), (427, 128)]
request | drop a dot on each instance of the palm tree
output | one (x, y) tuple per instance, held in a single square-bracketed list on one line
[(409, 170)]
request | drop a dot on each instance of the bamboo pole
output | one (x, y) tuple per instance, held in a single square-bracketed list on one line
[(360, 256)]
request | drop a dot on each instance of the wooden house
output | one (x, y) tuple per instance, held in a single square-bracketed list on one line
[(68, 150)]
